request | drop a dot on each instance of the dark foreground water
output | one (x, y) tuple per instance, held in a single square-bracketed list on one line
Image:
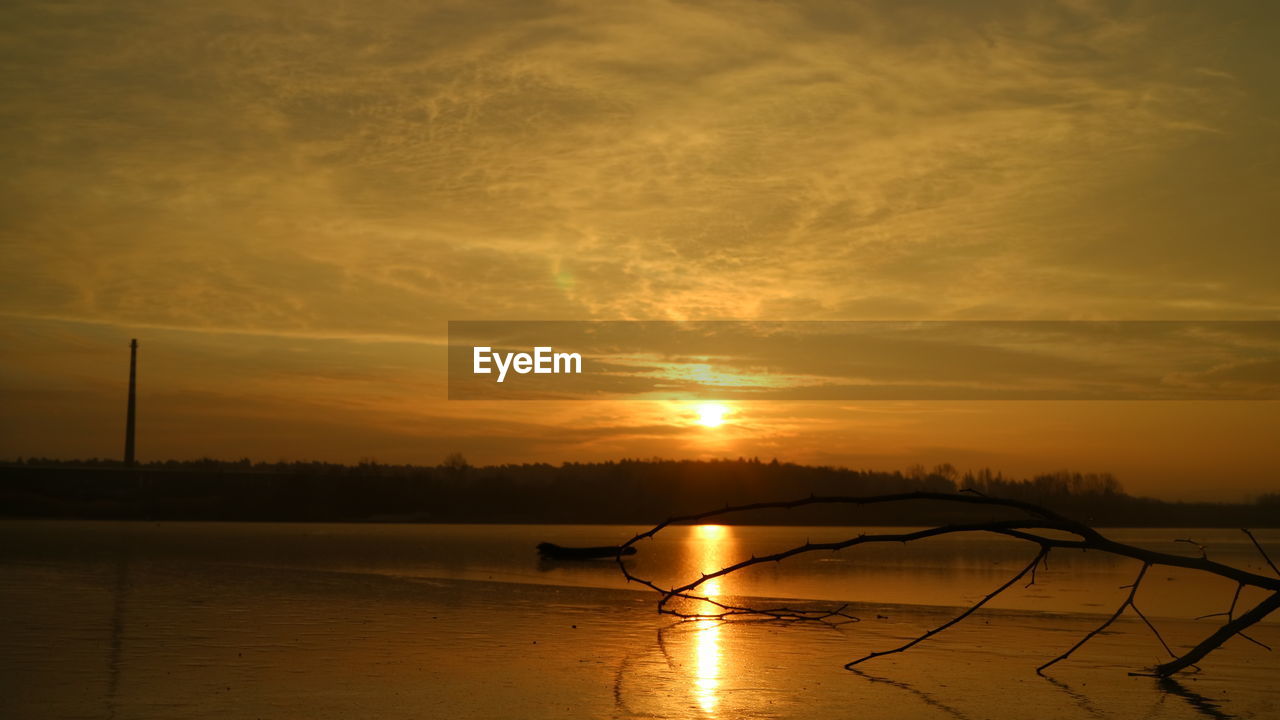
[(177, 620)]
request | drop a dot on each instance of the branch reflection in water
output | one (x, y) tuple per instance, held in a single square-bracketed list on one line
[(1201, 704), (928, 699)]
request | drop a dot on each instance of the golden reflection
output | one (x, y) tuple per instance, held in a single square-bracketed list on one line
[(710, 547), (713, 533), (706, 668), (711, 544)]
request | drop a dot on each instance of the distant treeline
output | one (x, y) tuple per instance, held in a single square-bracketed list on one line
[(625, 491)]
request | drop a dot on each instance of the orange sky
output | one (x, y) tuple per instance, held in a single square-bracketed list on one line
[(287, 203)]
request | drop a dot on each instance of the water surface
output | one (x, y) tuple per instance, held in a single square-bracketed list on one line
[(162, 620)]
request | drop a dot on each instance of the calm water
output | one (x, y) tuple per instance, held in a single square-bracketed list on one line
[(300, 620)]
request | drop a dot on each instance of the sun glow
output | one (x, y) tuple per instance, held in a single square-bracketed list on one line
[(711, 414)]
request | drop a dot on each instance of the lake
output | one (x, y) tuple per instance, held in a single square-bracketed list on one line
[(273, 620)]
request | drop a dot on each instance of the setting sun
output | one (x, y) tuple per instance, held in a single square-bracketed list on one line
[(517, 359), (711, 414)]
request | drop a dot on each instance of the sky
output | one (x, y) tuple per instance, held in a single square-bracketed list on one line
[(287, 202)]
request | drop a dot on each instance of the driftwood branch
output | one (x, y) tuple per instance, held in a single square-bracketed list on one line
[(1030, 527), (1261, 552), (971, 609), (1128, 603)]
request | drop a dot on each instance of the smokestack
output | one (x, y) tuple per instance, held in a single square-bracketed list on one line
[(133, 389)]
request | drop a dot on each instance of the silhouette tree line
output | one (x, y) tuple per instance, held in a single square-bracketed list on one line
[(621, 491)]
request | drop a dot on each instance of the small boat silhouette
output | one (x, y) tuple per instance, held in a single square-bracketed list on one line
[(560, 552)]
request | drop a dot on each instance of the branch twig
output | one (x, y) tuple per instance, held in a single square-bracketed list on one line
[(1031, 528), (972, 608), (1261, 552)]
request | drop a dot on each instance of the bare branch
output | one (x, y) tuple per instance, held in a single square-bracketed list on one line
[(1221, 635), (1031, 528), (1262, 645), (1128, 602), (1041, 559), (1199, 547), (1261, 552), (972, 608), (1154, 631)]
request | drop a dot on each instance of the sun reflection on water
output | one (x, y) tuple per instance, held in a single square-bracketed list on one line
[(711, 546), (706, 669)]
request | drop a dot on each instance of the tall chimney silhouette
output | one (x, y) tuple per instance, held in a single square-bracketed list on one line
[(133, 390)]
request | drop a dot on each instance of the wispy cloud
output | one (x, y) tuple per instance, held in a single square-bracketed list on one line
[(385, 167), (366, 171)]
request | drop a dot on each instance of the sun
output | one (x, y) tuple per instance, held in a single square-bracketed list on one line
[(711, 414)]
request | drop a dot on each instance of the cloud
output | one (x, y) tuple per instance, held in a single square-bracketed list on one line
[(761, 360), (365, 172), (390, 166)]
